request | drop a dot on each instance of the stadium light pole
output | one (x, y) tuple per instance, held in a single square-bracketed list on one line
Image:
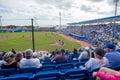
[(1, 22), (116, 4), (115, 13), (33, 44), (60, 19)]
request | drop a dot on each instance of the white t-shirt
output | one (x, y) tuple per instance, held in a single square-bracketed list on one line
[(94, 63), (29, 63), (83, 55)]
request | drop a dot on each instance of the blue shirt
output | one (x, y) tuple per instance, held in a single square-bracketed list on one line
[(113, 58), (75, 56)]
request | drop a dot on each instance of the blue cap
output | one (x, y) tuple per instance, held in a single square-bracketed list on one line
[(110, 46)]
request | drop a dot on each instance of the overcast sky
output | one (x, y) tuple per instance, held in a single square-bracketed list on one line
[(47, 11)]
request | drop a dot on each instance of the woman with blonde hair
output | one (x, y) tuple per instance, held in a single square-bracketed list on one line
[(10, 62)]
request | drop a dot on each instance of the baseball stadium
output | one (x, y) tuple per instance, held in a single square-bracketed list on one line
[(80, 50)]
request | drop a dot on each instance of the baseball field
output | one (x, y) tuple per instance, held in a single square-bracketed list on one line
[(43, 41)]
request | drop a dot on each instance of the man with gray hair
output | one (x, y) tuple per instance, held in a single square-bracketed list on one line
[(84, 54), (29, 61)]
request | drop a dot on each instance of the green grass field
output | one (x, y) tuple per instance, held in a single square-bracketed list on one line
[(22, 41)]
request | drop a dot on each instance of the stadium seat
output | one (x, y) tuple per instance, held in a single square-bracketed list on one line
[(91, 71), (46, 60), (79, 64), (72, 61), (2, 77), (110, 67), (26, 75), (7, 72), (65, 66), (84, 60), (28, 70), (47, 75), (16, 78), (47, 68), (47, 63), (60, 62), (117, 68), (76, 74)]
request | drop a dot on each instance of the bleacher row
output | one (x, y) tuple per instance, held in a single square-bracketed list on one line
[(51, 71), (96, 35)]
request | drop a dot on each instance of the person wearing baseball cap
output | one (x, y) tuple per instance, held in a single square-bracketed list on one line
[(112, 55), (109, 47)]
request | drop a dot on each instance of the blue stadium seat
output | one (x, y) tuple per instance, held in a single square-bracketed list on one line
[(47, 68), (60, 62), (72, 61), (76, 74), (16, 78), (7, 72), (28, 70), (2, 77), (65, 66), (46, 63), (47, 75), (84, 60), (110, 67), (78, 64), (91, 71), (117, 68), (95, 69), (26, 75)]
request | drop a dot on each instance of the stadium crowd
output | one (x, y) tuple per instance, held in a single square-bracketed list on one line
[(92, 58), (97, 35), (104, 55)]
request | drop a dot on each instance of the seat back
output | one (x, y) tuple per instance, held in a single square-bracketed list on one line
[(7, 72), (84, 59), (79, 64), (78, 74), (47, 75), (27, 75), (28, 70), (117, 68), (65, 66), (60, 62), (95, 69), (72, 61), (46, 63), (16, 78), (91, 71), (2, 77), (46, 60), (47, 68)]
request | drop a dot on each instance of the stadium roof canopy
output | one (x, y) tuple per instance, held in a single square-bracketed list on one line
[(106, 19)]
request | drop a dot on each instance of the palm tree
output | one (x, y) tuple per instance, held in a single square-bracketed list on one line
[(116, 2)]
